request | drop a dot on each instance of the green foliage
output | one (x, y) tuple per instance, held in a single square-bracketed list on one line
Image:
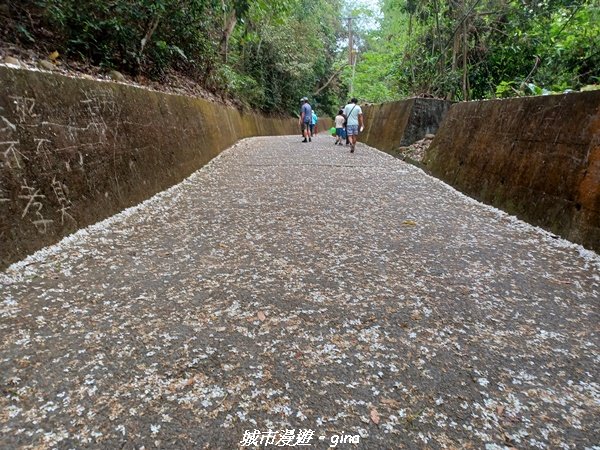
[(511, 47), (138, 36), (270, 53), (289, 53), (242, 86), (265, 53), (373, 77), (505, 89)]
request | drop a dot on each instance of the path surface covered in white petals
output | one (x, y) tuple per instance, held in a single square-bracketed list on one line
[(290, 286)]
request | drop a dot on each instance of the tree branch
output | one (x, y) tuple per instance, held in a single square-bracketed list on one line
[(149, 33), (330, 79)]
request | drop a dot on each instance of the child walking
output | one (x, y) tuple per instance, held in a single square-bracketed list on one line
[(340, 131)]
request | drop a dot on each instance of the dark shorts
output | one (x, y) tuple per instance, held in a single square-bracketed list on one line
[(341, 132), (305, 126)]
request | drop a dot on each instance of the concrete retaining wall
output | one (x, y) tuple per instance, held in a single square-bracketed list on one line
[(75, 151), (392, 125), (538, 158)]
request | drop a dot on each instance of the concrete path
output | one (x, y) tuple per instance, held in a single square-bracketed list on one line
[(296, 287)]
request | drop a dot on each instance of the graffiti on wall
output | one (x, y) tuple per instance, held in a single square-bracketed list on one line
[(28, 151)]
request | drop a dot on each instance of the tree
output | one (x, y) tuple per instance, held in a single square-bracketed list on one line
[(463, 49), (267, 54)]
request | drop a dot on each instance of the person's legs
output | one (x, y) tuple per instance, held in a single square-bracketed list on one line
[(352, 133), (306, 131)]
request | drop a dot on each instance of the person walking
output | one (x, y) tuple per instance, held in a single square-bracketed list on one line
[(305, 119), (340, 130), (313, 123), (355, 123)]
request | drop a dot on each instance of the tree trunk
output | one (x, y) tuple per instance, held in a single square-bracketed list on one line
[(455, 49), (412, 66), (331, 78), (465, 83), (151, 29), (442, 59), (227, 30)]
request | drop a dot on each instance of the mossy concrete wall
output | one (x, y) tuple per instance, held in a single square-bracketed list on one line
[(75, 151), (389, 126), (537, 158)]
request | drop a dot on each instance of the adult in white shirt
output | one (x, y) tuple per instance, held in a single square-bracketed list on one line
[(355, 123)]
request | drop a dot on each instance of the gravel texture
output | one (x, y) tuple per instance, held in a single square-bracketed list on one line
[(417, 150), (291, 286)]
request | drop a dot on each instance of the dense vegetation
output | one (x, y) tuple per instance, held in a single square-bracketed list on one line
[(267, 54), (474, 49)]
